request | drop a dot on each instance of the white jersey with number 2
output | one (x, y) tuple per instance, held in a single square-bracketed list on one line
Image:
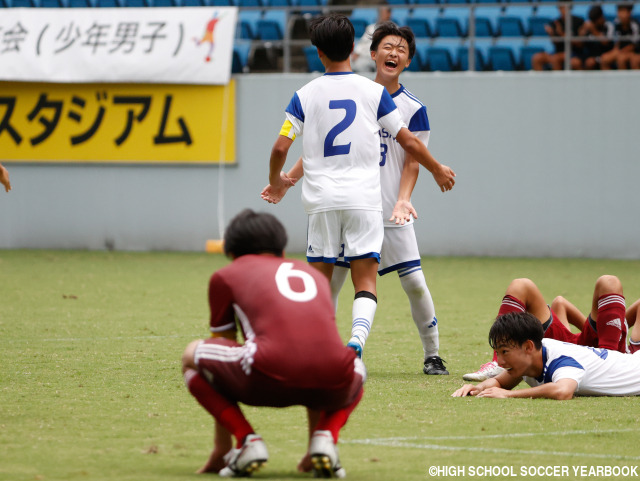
[(340, 115)]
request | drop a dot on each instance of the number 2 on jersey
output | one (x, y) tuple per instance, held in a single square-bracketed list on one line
[(349, 107)]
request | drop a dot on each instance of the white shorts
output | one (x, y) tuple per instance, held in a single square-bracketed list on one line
[(349, 234), (399, 250)]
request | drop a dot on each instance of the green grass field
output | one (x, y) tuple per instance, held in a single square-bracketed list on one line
[(90, 383)]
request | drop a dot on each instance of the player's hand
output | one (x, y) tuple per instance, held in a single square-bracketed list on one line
[(445, 178), (402, 212), (495, 392), (4, 178), (274, 193), (466, 390)]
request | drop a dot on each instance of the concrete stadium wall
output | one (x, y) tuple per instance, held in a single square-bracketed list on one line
[(548, 164)]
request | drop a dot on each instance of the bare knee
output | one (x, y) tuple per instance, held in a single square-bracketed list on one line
[(608, 285), (188, 356), (558, 304), (520, 287)]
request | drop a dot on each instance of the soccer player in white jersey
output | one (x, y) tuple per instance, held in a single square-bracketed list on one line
[(392, 49), (396, 200), (341, 114), (554, 369)]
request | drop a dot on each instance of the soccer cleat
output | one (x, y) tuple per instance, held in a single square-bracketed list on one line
[(324, 456), (434, 365), (247, 460), (486, 371), (356, 347)]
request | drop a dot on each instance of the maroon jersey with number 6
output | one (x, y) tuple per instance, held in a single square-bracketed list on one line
[(283, 307)]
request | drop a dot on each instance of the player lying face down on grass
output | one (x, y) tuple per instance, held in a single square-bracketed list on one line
[(554, 369), (292, 353)]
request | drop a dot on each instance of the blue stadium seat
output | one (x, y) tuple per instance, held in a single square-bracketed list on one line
[(422, 22), (505, 54), (487, 21), (542, 16), (420, 59), (610, 11), (219, 3), (515, 21), (240, 60), (247, 26), (80, 3), (272, 26), (399, 2), (443, 55), (310, 3), (108, 3), (135, 3), (481, 47), (399, 15), (248, 3), (166, 3), (453, 22), (22, 3), (361, 18), (52, 4), (426, 2), (278, 3), (313, 61), (581, 11), (533, 46), (450, 2)]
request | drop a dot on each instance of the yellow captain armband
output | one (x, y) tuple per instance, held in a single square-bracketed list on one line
[(286, 130)]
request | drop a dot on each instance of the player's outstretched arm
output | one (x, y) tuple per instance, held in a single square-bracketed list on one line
[(278, 183), (4, 178), (503, 382), (561, 390), (403, 210), (443, 175), (289, 179)]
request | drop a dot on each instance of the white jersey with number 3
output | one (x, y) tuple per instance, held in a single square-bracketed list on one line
[(392, 155), (340, 115)]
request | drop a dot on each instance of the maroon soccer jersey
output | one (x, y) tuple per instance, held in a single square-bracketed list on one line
[(284, 308)]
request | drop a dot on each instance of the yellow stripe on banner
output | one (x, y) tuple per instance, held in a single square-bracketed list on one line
[(286, 130), (117, 123)]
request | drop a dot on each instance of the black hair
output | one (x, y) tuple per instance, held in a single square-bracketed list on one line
[(333, 34), (516, 328), (625, 6), (389, 28), (595, 13), (252, 232)]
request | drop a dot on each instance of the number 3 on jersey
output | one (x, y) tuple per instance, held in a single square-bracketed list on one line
[(285, 273), (349, 107)]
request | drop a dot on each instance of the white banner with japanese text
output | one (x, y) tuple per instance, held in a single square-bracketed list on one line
[(141, 123), (190, 45)]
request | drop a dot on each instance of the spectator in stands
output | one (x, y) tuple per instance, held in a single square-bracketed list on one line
[(626, 34), (556, 29), (4, 178), (601, 31), (361, 57)]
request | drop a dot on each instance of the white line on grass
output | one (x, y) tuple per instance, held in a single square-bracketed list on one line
[(112, 338), (401, 442)]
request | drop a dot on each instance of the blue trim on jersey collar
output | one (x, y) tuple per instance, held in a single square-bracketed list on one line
[(398, 92), (544, 365), (338, 73)]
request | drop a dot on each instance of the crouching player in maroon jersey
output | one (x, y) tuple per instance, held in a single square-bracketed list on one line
[(292, 352)]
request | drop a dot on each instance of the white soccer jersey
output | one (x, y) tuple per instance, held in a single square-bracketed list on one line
[(340, 115), (392, 155), (598, 372)]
